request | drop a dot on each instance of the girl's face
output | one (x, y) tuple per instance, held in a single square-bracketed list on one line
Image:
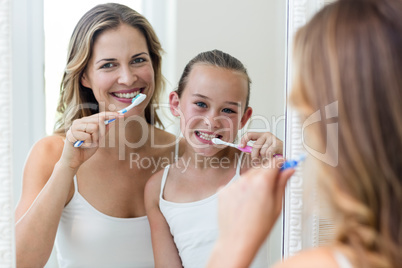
[(211, 106), (119, 69)]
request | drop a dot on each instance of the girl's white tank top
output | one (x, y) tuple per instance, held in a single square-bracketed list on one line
[(194, 227)]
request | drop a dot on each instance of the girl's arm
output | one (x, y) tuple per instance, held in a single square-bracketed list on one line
[(266, 144), (164, 248)]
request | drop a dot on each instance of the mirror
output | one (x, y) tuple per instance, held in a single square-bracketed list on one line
[(305, 224), (254, 32)]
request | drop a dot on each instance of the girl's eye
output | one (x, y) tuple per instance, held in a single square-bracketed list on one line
[(201, 104), (138, 60), (107, 65), (228, 111)]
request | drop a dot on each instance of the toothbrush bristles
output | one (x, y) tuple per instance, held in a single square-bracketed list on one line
[(217, 141)]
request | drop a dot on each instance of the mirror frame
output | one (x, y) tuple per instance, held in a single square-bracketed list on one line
[(299, 232), (7, 242)]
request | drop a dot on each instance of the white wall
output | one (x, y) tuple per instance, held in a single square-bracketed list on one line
[(253, 31)]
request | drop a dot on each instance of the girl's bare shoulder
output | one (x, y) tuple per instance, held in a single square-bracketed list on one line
[(152, 188), (166, 142), (161, 136)]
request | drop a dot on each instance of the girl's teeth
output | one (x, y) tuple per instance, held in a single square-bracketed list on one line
[(206, 136), (126, 95)]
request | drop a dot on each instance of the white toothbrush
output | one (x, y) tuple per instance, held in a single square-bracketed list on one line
[(246, 149), (134, 102)]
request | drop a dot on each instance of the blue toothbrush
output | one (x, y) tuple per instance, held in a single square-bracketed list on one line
[(292, 163), (134, 102)]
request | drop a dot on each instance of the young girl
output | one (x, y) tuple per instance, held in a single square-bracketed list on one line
[(181, 201)]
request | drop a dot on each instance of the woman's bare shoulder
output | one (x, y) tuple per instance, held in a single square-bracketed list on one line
[(313, 258), (50, 146), (43, 156), (38, 168)]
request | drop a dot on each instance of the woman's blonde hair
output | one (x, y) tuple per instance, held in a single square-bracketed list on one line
[(351, 53), (77, 101)]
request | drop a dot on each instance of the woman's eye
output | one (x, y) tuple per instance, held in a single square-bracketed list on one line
[(201, 104), (107, 65), (138, 60), (228, 111)]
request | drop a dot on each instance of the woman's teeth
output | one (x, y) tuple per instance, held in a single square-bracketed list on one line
[(206, 136), (126, 95)]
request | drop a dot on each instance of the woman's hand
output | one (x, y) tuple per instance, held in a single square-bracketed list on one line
[(248, 209), (266, 144), (91, 130)]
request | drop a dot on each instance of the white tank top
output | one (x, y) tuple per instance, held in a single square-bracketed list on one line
[(88, 238), (194, 227)]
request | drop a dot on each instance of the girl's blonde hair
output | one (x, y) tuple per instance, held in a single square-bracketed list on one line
[(351, 53), (77, 101)]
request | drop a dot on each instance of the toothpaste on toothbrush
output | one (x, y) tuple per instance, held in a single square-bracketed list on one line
[(287, 164), (134, 102), (246, 149)]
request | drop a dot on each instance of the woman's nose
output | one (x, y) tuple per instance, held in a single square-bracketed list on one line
[(126, 76)]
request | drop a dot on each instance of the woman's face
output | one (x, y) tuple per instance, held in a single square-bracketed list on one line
[(212, 106), (119, 69)]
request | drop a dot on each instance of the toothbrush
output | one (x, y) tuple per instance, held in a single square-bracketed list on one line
[(293, 163), (287, 164), (134, 102), (246, 149)]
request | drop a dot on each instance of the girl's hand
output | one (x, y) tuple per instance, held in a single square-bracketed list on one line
[(91, 130), (266, 145), (248, 209)]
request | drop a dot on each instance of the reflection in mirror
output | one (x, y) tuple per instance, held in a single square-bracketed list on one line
[(252, 32)]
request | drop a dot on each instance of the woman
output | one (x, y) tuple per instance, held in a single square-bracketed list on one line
[(350, 53), (89, 201)]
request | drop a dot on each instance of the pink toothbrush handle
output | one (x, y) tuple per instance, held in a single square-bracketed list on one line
[(246, 149)]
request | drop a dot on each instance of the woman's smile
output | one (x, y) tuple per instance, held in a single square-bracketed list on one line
[(126, 95)]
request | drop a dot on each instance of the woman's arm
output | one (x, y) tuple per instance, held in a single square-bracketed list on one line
[(47, 187), (45, 190), (248, 208), (164, 248)]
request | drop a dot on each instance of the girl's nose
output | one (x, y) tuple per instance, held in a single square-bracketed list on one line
[(213, 121), (126, 76)]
